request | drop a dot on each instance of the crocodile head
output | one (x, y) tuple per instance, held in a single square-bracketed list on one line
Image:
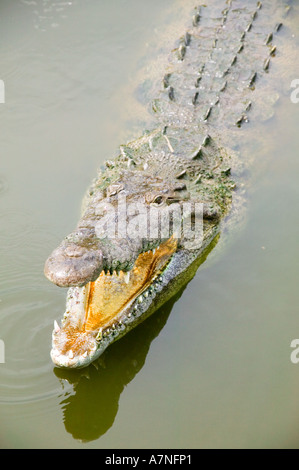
[(124, 249)]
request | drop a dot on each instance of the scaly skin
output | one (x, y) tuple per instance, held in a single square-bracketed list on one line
[(181, 163)]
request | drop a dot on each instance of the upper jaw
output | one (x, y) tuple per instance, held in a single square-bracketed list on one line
[(80, 259), (88, 250), (75, 263)]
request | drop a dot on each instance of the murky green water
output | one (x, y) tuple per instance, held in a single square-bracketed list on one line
[(212, 368)]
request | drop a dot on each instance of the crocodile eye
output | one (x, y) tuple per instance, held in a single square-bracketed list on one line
[(158, 200)]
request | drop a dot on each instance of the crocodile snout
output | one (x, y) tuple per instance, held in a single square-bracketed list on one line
[(71, 265)]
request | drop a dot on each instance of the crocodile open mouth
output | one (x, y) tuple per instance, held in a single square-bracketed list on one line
[(94, 311), (109, 294)]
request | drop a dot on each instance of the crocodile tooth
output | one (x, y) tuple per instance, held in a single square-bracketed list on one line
[(99, 335), (85, 354), (140, 299), (71, 354), (56, 327), (127, 277), (154, 251), (145, 294)]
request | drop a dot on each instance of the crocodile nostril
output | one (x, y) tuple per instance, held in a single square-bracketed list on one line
[(73, 251)]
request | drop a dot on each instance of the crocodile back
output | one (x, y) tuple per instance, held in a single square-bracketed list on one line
[(215, 68)]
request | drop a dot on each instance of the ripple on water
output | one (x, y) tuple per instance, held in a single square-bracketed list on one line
[(28, 306), (24, 247), (15, 227), (26, 323)]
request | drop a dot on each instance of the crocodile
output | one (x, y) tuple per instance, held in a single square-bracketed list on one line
[(158, 206)]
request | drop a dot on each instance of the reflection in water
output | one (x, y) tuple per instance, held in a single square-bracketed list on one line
[(90, 411)]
